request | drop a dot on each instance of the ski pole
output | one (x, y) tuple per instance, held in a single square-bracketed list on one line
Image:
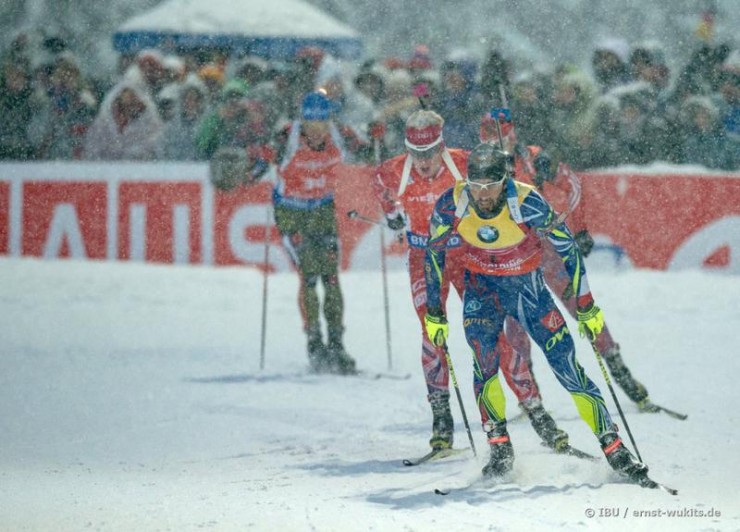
[(354, 215), (459, 397), (265, 276), (384, 274), (600, 360)]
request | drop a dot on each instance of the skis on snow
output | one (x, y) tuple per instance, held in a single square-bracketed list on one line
[(573, 451), (434, 454), (646, 482), (438, 454), (362, 374), (503, 485), (649, 406), (377, 375)]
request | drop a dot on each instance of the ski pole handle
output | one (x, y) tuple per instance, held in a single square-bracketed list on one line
[(354, 215)]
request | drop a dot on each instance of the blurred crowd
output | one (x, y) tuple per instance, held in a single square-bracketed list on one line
[(627, 107)]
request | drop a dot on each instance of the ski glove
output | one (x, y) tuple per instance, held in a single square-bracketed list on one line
[(543, 169), (436, 325), (397, 223), (585, 242), (590, 321)]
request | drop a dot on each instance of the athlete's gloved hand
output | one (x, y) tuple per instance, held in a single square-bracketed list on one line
[(436, 325), (397, 223), (590, 321), (543, 169), (585, 242)]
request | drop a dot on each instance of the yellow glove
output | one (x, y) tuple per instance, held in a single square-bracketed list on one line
[(590, 322), (437, 328)]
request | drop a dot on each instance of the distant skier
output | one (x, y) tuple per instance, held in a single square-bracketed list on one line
[(309, 151), (501, 223)]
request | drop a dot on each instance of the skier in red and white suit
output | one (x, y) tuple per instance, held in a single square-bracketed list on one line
[(561, 187), (408, 187)]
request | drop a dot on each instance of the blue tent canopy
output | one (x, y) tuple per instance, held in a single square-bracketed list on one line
[(274, 29)]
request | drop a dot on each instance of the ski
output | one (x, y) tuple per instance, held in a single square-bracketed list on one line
[(480, 481), (434, 454), (649, 406), (497, 487), (573, 451), (372, 375), (363, 374), (646, 482)]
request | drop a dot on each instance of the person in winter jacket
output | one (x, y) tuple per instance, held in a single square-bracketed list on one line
[(705, 141), (459, 101), (16, 111), (69, 111), (609, 62), (180, 134), (127, 127), (227, 126)]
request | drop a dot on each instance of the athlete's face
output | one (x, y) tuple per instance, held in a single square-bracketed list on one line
[(315, 131), (427, 163), (485, 193)]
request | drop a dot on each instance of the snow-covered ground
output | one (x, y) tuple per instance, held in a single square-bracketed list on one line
[(131, 398)]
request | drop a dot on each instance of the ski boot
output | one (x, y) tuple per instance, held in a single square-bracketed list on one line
[(502, 452), (443, 426), (621, 459), (340, 362), (632, 388), (545, 426), (318, 357)]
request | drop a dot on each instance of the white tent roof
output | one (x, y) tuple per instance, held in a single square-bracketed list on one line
[(273, 27)]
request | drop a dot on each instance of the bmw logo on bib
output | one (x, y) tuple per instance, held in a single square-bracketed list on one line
[(487, 234)]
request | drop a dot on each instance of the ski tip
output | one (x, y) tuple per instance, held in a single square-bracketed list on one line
[(672, 491), (649, 483)]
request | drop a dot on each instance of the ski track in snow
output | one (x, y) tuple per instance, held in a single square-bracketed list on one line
[(131, 399)]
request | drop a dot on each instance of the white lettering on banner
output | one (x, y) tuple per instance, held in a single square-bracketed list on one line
[(429, 197), (244, 250), (64, 224), (702, 243), (313, 183), (137, 232), (181, 236)]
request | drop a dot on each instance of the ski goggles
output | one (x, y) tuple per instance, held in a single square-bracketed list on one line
[(477, 186), (425, 154)]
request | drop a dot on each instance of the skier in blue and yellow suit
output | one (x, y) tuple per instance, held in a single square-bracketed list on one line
[(502, 223)]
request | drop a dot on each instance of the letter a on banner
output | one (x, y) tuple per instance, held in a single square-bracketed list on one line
[(64, 225)]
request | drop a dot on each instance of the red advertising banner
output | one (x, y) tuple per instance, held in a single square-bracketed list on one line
[(170, 213), (667, 220), (160, 222), (63, 219), (4, 218)]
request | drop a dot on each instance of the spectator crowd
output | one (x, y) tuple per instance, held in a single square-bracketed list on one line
[(629, 107)]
